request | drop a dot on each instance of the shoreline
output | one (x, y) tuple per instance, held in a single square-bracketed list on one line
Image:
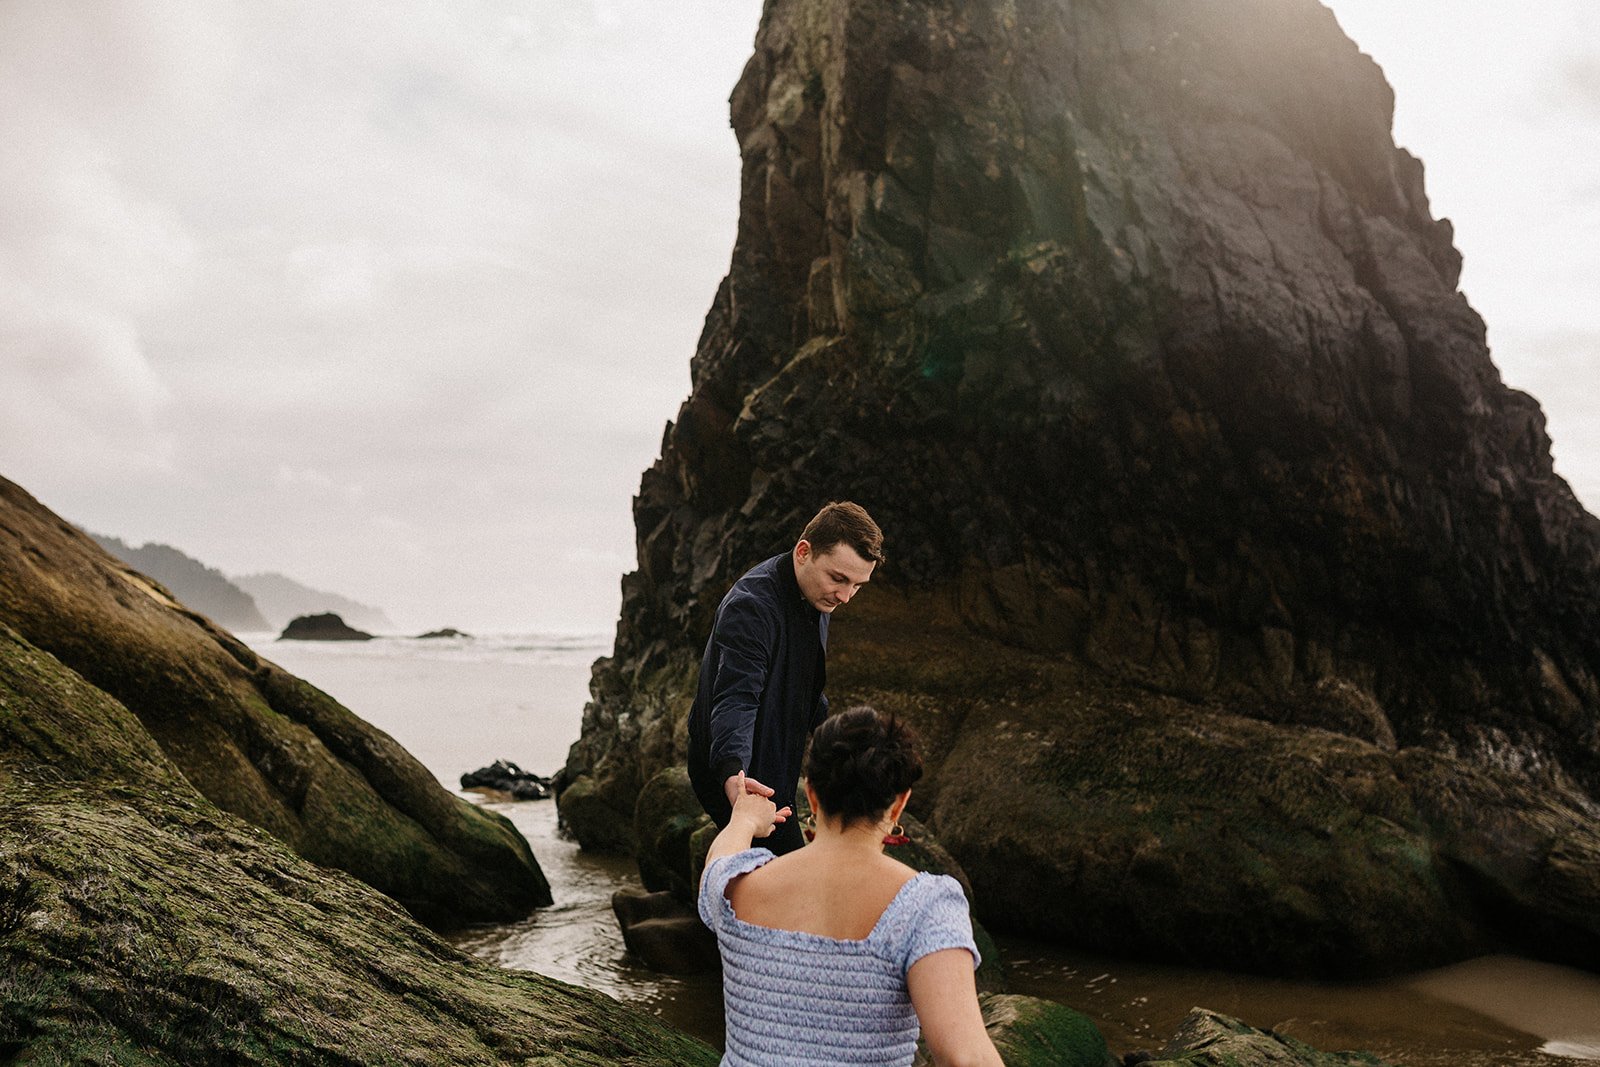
[(1463, 1015), (450, 704)]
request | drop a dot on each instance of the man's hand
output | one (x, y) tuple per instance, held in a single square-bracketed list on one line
[(738, 785)]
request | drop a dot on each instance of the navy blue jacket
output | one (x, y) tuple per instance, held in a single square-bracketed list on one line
[(760, 692)]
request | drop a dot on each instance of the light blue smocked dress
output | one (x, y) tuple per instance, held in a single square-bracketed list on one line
[(793, 998)]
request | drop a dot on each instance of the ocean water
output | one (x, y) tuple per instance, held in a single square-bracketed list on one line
[(459, 704)]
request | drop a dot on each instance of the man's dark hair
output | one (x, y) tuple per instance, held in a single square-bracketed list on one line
[(859, 761), (844, 523)]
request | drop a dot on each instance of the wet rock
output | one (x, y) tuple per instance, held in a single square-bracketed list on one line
[(1030, 1032), (1117, 825), (448, 631), (140, 923), (665, 933), (1207, 1039), (589, 817), (506, 777), (665, 821), (324, 627)]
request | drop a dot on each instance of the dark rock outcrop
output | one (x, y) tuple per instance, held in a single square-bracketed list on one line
[(1234, 592), (254, 740), (503, 776), (324, 627), (448, 631), (666, 818), (664, 932)]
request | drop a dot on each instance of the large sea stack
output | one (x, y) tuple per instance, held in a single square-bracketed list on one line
[(1233, 591)]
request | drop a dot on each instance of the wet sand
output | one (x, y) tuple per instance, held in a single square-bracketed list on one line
[(1469, 1015)]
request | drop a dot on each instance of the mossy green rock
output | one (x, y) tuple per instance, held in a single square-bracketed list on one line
[(1030, 1032), (141, 924), (665, 821), (1115, 824), (252, 738), (589, 816), (1207, 1039), (145, 926)]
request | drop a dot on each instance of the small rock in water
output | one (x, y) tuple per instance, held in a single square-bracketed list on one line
[(448, 631), (506, 777), (324, 627)]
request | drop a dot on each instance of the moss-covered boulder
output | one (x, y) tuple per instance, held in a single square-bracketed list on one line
[(1030, 1032), (589, 816), (252, 738), (1207, 1039), (141, 924), (665, 821), (1115, 824), (145, 926)]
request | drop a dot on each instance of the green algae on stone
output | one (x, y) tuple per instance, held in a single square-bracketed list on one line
[(1030, 1032), (1208, 1039), (665, 821), (144, 926)]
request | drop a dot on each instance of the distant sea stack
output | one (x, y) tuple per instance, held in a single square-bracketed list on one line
[(202, 588), (324, 627), (1232, 590), (282, 599)]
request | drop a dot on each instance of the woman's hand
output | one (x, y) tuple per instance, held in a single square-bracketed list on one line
[(753, 816), (755, 813)]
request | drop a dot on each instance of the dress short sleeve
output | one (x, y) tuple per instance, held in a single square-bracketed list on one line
[(714, 883), (942, 922)]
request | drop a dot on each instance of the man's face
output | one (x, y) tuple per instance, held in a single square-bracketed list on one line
[(831, 578)]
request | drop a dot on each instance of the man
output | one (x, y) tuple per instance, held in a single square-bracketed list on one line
[(761, 679)]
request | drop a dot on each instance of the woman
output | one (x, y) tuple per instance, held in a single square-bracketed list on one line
[(831, 954)]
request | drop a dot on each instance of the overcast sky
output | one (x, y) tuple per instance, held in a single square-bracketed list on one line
[(397, 298)]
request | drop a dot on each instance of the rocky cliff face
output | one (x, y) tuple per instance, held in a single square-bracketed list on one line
[(254, 740), (1234, 591)]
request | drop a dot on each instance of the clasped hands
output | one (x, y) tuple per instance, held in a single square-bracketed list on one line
[(752, 805)]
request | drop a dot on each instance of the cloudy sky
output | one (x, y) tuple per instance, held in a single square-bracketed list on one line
[(396, 299)]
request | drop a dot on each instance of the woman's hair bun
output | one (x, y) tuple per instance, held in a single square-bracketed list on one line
[(859, 761)]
